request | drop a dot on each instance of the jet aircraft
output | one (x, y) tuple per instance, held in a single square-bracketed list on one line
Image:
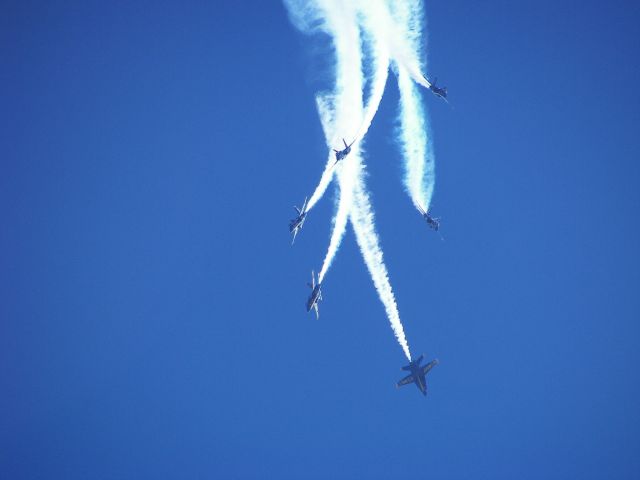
[(417, 374), (340, 154), (431, 221), (437, 91), (316, 295), (296, 224)]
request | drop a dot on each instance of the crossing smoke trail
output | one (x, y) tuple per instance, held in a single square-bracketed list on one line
[(348, 70), (340, 111), (391, 30), (362, 220), (330, 16), (345, 171), (348, 171)]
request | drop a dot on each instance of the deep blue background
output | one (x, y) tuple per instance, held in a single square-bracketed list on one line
[(152, 319)]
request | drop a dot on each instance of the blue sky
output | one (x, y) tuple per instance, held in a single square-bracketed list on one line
[(153, 323)]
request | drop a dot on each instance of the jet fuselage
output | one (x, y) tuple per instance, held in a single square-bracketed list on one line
[(297, 222), (313, 298), (417, 374)]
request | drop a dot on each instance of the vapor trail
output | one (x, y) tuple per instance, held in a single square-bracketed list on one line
[(390, 31), (348, 168), (340, 112), (419, 165), (419, 177), (345, 182), (362, 220)]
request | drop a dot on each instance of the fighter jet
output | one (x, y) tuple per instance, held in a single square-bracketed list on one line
[(296, 224), (431, 221), (437, 91), (316, 295), (340, 154), (417, 374)]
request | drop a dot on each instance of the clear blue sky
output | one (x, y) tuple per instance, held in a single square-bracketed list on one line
[(152, 320)]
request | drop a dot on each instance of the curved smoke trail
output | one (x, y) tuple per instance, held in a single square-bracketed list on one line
[(347, 171), (419, 165), (419, 177), (392, 31), (362, 220), (339, 112)]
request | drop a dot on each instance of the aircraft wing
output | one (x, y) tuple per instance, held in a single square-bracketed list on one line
[(429, 366), (405, 381), (315, 307)]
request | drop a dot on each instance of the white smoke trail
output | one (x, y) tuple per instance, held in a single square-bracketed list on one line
[(339, 113), (419, 165), (347, 170), (342, 114), (363, 225), (380, 58), (325, 180), (345, 182), (406, 41), (419, 175), (333, 17)]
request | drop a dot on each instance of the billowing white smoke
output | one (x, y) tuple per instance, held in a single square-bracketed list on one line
[(362, 220), (391, 30), (340, 112), (345, 200), (419, 177), (347, 169)]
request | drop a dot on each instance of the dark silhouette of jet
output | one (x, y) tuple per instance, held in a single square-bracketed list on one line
[(437, 91), (417, 374), (340, 154), (316, 295), (296, 224), (431, 221)]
